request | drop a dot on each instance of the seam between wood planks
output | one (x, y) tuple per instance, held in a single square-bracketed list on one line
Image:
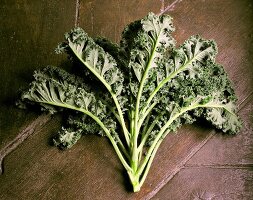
[(169, 7), (241, 105), (35, 125), (195, 150), (32, 128), (221, 166), (245, 101), (179, 167), (77, 16)]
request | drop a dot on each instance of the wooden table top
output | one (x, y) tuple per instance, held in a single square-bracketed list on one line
[(195, 163)]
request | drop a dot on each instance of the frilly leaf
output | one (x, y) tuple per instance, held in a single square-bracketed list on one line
[(100, 63), (67, 138), (194, 54), (152, 41), (223, 115), (54, 89)]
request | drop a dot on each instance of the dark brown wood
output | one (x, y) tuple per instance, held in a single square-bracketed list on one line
[(22, 136), (189, 164), (208, 183), (230, 150), (222, 169), (229, 23), (29, 34), (226, 161), (108, 18)]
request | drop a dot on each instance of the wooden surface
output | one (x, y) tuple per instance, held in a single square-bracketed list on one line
[(195, 163)]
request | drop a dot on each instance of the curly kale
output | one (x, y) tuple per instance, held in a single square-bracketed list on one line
[(147, 89)]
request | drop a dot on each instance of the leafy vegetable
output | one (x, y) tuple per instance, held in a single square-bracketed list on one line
[(137, 92)]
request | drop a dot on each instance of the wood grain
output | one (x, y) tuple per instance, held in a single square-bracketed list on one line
[(226, 150), (208, 183), (189, 163), (229, 23), (222, 169), (108, 18), (29, 33), (90, 170)]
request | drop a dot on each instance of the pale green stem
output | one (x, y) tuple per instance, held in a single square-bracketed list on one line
[(144, 175), (145, 128), (144, 139), (112, 110), (145, 115), (101, 124), (163, 129), (166, 80), (150, 158), (159, 135), (122, 147), (108, 87), (161, 84), (136, 119)]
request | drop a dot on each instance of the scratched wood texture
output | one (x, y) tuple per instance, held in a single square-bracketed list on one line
[(29, 33), (195, 163)]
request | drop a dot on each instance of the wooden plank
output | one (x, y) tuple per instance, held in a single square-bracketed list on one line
[(31, 129), (40, 171), (233, 34), (108, 18), (91, 169), (29, 33), (208, 183), (225, 156), (229, 150), (229, 23)]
